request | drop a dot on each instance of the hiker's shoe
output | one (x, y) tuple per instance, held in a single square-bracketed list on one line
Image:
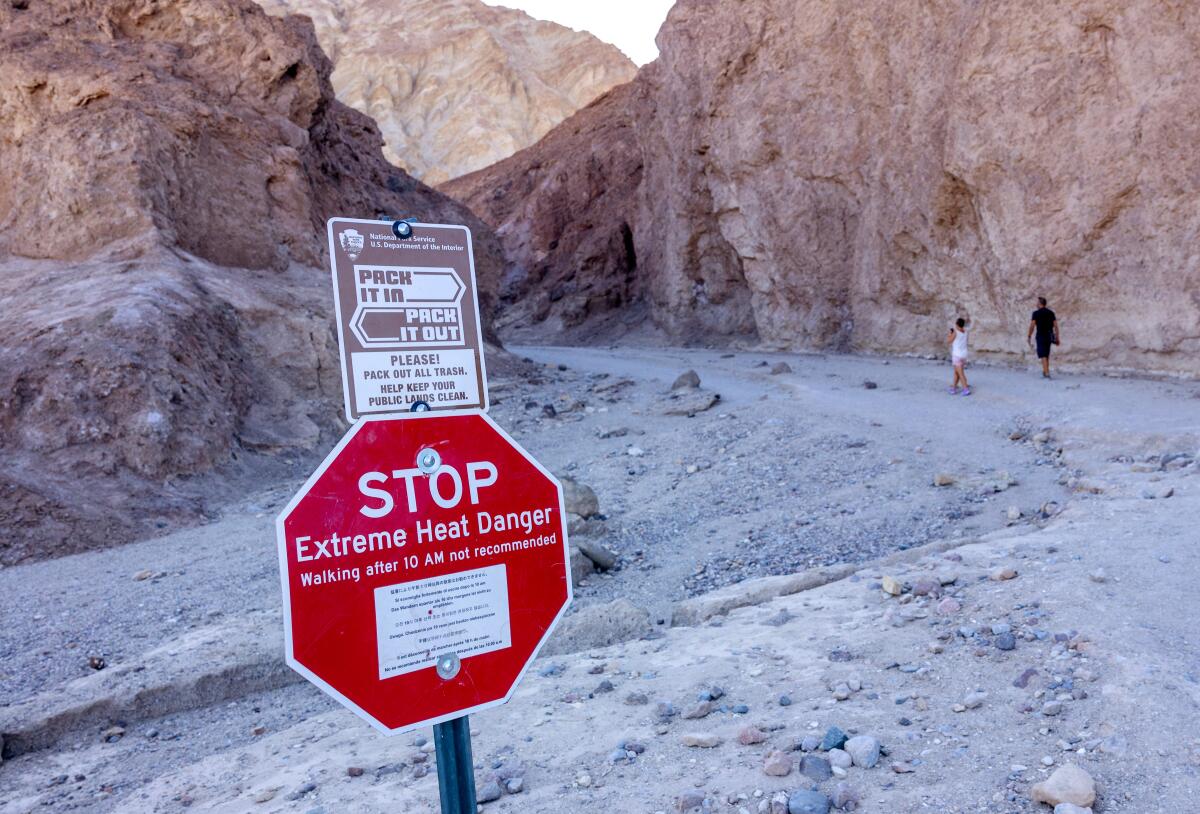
[(966, 391)]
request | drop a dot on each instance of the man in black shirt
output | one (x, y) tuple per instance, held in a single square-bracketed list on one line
[(1043, 326)]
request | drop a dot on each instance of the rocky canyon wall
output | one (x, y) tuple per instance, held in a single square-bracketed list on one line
[(456, 85), (168, 168), (855, 176)]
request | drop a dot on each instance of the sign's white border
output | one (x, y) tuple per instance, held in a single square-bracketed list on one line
[(337, 310), (281, 541)]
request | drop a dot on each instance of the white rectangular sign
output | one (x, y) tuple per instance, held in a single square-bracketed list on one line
[(392, 381), (464, 613)]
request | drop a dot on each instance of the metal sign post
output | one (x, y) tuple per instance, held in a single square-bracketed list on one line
[(456, 772)]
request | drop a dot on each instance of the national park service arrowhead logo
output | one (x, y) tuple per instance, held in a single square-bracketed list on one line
[(352, 242)]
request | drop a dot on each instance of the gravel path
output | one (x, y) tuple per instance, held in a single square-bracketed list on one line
[(791, 471), (784, 472)]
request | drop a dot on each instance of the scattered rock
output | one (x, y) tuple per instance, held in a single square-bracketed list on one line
[(845, 798), (581, 565), (1052, 708), (600, 556), (900, 767), (780, 367), (697, 711), (1002, 574), (927, 586), (1005, 641), (777, 764), (892, 586), (863, 750), (808, 801), (354, 771), (687, 402), (948, 606), (637, 699), (815, 767), (750, 735), (869, 385), (943, 479), (96, 662), (834, 738), (1022, 681), (1068, 784), (840, 759), (689, 378), (701, 740), (1070, 808), (112, 734), (488, 792), (1099, 575), (689, 800), (974, 700), (578, 497)]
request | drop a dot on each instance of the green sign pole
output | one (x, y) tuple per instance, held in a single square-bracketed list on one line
[(456, 770)]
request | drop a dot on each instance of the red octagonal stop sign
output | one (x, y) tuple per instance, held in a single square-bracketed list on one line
[(423, 565)]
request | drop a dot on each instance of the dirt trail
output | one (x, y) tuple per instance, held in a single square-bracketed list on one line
[(778, 464)]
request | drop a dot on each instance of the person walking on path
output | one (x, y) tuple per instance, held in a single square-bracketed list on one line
[(1043, 328), (957, 339)]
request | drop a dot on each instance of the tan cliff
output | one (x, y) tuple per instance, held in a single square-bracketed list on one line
[(456, 85), (856, 176), (168, 333)]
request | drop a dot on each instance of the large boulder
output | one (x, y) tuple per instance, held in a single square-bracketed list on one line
[(168, 169), (599, 626), (580, 499)]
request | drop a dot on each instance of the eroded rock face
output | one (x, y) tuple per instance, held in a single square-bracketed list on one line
[(858, 175), (168, 168), (456, 85), (564, 210)]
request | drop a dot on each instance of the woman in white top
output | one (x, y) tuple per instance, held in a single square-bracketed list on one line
[(957, 339)]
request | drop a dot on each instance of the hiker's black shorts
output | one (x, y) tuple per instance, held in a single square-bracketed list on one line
[(1043, 346)]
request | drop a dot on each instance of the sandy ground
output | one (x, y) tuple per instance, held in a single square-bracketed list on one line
[(786, 472)]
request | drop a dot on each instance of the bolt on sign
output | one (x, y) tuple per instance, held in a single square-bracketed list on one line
[(407, 317), (423, 565)]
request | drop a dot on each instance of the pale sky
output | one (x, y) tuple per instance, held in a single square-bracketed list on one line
[(628, 24)]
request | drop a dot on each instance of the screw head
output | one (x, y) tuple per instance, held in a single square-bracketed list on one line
[(428, 461), (448, 666)]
